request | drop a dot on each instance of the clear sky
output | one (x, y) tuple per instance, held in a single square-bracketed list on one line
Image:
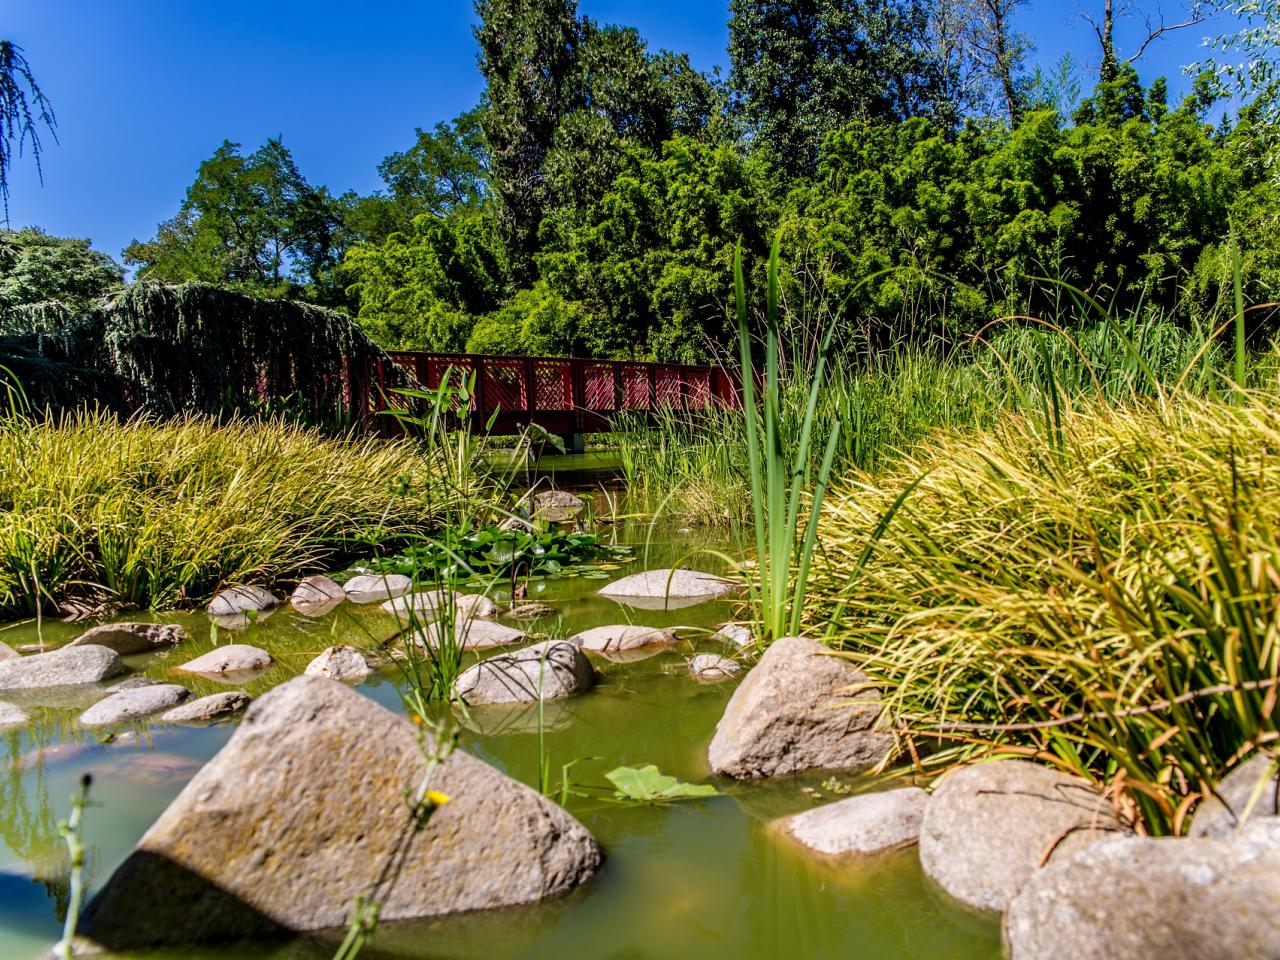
[(144, 90)]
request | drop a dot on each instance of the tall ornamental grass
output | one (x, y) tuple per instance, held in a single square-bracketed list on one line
[(164, 513), (1108, 601)]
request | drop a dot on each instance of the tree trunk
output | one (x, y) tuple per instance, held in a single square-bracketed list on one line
[(1110, 67)]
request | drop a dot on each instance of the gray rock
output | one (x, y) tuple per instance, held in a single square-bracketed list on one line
[(1147, 899), (235, 658), (798, 709), (69, 666), (369, 587), (135, 704), (208, 709), (864, 825), (130, 638), (555, 669), (235, 601), (134, 683), (668, 589), (476, 606), (340, 663), (738, 634), (8, 653), (11, 716), (530, 611), (304, 808), (555, 506), (709, 668), (425, 605), (988, 827), (618, 638), (317, 589), (1251, 788), (473, 634)]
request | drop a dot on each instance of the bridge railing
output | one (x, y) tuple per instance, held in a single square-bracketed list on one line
[(571, 395)]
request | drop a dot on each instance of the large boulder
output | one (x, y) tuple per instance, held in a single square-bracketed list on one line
[(619, 638), (553, 670), (867, 824), (988, 827), (235, 660), (342, 662), (304, 809), (210, 709), (369, 587), (1146, 899), (473, 634), (668, 589), (130, 638), (134, 704), (799, 709), (8, 653), (1248, 791), (69, 666)]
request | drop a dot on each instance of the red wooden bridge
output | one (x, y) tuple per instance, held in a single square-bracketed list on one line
[(565, 396)]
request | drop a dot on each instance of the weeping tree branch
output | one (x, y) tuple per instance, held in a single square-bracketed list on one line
[(23, 110)]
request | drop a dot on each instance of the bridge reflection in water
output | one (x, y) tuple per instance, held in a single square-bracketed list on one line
[(566, 396)]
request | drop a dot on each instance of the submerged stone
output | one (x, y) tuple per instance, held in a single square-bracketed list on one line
[(668, 589), (709, 668), (134, 704), (1154, 899), (69, 666), (530, 611), (130, 638), (550, 670), (868, 824), (988, 827), (210, 709), (342, 662), (799, 708), (304, 809)]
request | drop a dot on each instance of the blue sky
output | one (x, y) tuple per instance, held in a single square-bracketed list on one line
[(144, 91)]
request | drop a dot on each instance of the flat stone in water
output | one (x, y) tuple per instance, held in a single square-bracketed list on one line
[(235, 658), (474, 634), (135, 704), (208, 709), (238, 600), (709, 668), (865, 825), (551, 671), (370, 587), (342, 662), (317, 595), (425, 605), (476, 606), (131, 638), (69, 666), (668, 589), (618, 638), (530, 611)]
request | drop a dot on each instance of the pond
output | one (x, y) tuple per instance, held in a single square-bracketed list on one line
[(704, 878)]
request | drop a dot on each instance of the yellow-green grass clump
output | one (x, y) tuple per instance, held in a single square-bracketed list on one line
[(1103, 592), (163, 513)]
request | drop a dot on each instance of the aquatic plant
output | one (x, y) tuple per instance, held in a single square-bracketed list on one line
[(71, 832), (1107, 602), (648, 784), (162, 514)]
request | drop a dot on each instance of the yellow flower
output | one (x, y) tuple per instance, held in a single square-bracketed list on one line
[(436, 798)]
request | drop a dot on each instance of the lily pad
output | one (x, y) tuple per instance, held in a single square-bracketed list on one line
[(650, 785)]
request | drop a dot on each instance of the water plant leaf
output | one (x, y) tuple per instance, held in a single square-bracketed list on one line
[(650, 785)]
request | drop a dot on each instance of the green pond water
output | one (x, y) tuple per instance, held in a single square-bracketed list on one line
[(702, 879)]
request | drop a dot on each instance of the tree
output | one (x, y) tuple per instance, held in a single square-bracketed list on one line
[(527, 52), (1155, 25), (445, 169), (802, 68), (998, 47), (252, 223), (1256, 72), (23, 110), (38, 268)]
